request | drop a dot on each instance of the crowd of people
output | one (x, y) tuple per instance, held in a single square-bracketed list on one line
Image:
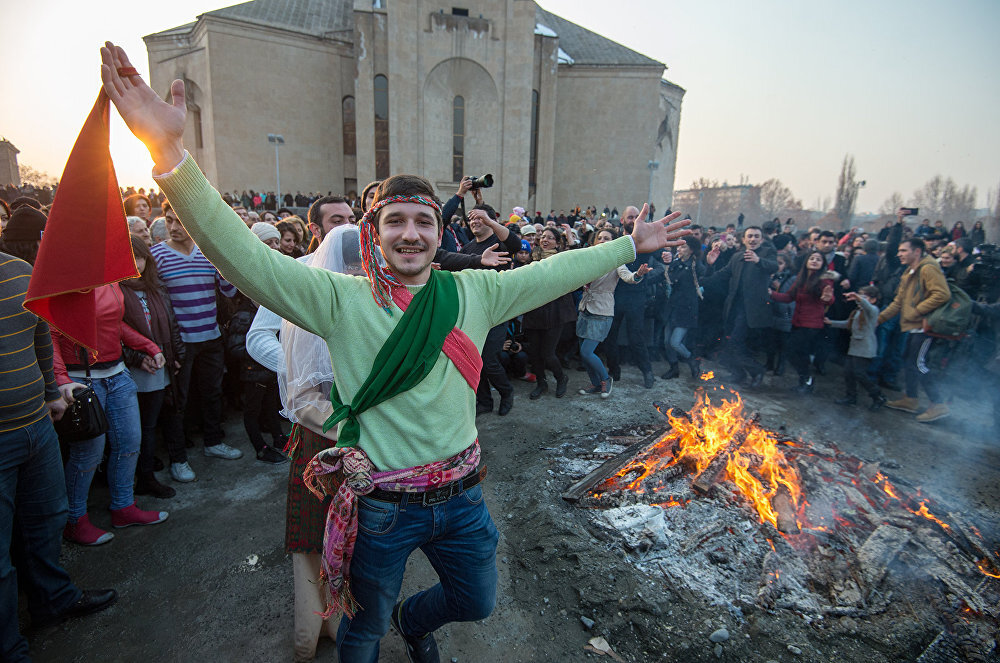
[(180, 344)]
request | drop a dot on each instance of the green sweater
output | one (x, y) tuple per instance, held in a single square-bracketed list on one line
[(434, 420)]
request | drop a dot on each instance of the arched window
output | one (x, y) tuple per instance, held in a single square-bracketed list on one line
[(381, 127), (533, 158), (458, 139), (350, 126)]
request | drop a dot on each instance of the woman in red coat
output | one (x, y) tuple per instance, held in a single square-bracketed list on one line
[(812, 294)]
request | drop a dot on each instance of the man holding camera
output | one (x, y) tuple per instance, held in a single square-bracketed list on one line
[(487, 232)]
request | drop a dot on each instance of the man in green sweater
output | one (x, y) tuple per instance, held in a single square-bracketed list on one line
[(405, 471)]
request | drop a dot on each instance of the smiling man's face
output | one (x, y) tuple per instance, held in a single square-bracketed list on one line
[(409, 235)]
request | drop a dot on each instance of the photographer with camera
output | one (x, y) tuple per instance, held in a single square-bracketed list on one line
[(487, 233)]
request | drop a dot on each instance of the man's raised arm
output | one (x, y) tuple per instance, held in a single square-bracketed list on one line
[(292, 290)]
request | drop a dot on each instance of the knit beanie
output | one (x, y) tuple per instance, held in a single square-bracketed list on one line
[(21, 201), (25, 225), (265, 231)]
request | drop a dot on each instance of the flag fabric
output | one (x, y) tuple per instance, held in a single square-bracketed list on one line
[(86, 242)]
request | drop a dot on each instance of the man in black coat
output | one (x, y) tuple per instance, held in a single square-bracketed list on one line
[(748, 305)]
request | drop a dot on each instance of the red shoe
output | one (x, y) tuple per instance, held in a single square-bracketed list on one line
[(133, 515), (528, 377), (85, 534)]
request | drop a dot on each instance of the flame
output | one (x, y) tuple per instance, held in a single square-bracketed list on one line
[(707, 375), (758, 468), (771, 543), (671, 502), (922, 511), (984, 566)]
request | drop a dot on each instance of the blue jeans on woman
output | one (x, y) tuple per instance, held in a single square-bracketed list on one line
[(460, 541), (675, 344), (117, 395), (595, 367), (32, 517)]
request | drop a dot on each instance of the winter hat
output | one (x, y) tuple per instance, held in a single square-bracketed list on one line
[(21, 201), (529, 230), (25, 225), (526, 245), (265, 231), (519, 211)]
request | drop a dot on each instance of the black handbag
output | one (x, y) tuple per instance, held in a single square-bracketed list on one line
[(84, 419)]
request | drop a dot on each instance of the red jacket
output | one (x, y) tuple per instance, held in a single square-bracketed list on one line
[(111, 333), (809, 309)]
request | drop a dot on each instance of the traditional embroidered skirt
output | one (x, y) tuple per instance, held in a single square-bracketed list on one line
[(305, 516)]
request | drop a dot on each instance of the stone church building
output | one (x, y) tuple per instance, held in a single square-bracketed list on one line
[(360, 89)]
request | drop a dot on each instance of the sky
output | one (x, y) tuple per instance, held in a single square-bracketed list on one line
[(775, 88)]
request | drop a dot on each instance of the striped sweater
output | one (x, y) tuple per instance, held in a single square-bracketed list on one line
[(26, 378), (191, 281)]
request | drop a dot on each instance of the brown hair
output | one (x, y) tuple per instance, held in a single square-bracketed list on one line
[(407, 185), (149, 278)]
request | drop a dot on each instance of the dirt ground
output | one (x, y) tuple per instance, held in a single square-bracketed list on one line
[(214, 584)]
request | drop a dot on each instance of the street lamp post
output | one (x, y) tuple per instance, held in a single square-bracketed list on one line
[(652, 165), (278, 140)]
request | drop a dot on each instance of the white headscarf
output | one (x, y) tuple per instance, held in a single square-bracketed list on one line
[(306, 374)]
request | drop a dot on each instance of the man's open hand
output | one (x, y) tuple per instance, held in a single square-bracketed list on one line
[(656, 235), (158, 124), (493, 258)]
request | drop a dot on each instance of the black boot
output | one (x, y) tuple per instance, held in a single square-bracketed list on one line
[(541, 386), (779, 367), (695, 366), (561, 384), (147, 484), (673, 372), (878, 400), (805, 385)]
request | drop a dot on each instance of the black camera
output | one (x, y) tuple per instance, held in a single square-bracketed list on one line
[(484, 182)]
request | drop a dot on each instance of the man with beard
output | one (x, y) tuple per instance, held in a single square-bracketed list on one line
[(405, 473), (630, 309)]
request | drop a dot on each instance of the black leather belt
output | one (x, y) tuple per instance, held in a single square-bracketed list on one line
[(431, 497)]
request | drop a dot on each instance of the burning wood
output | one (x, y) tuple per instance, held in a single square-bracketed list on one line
[(708, 476)]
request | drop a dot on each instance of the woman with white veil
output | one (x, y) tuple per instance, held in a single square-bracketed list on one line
[(305, 377)]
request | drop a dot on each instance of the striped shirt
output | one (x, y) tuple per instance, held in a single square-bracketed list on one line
[(191, 281), (26, 378)]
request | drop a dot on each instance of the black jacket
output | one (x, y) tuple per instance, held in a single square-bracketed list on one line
[(752, 280)]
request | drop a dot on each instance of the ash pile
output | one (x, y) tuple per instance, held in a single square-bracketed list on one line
[(720, 508)]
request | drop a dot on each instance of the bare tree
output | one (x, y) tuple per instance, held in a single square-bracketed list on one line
[(941, 198), (776, 198), (35, 177), (847, 192), (892, 204)]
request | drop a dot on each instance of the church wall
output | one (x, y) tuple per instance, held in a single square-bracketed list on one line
[(270, 82), (606, 129)]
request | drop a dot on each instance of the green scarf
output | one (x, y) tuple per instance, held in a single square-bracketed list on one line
[(407, 356)]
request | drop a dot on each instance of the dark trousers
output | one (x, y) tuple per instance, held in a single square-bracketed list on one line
[(203, 367), (855, 373), (804, 341), (634, 317), (33, 512), (260, 411), (493, 371), (742, 343), (150, 406), (541, 345), (916, 370)]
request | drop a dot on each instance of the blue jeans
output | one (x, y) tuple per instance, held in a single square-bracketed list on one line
[(595, 368), (117, 395), (460, 541), (891, 347), (32, 517), (675, 345)]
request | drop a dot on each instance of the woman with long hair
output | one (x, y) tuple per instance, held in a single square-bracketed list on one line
[(812, 294), (543, 326), (977, 234), (597, 312), (958, 230), (685, 273), (148, 311)]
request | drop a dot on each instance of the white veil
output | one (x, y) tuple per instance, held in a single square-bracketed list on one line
[(306, 371)]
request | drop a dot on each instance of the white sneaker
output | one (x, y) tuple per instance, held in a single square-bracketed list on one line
[(181, 472), (223, 450)]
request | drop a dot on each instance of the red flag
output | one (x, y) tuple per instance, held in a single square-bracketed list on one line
[(86, 241)]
